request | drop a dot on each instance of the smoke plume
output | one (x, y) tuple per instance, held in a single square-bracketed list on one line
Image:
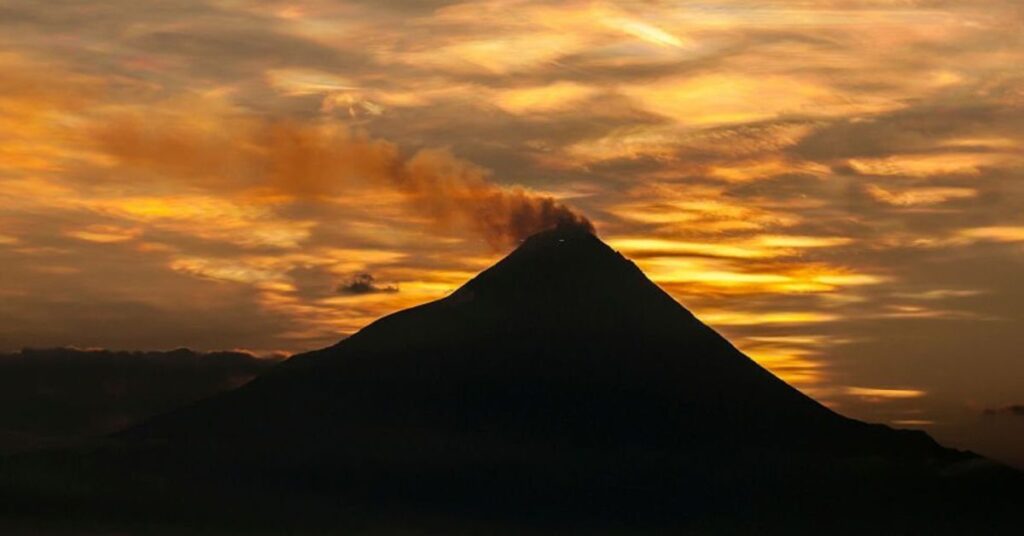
[(312, 160)]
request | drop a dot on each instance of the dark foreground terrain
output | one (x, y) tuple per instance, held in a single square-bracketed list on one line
[(558, 392), (61, 396)]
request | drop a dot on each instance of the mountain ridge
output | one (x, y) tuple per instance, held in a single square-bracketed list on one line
[(566, 340)]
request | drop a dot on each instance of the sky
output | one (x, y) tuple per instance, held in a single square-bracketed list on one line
[(837, 186)]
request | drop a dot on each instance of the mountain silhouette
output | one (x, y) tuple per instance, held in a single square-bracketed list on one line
[(564, 341), (558, 388)]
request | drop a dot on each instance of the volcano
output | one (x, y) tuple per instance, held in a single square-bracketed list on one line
[(558, 388)]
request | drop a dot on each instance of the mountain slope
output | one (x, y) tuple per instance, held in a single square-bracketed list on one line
[(558, 385), (564, 339)]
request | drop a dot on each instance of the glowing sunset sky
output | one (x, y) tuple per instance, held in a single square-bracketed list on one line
[(836, 185)]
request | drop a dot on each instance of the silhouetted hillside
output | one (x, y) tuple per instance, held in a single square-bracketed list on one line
[(559, 388), (57, 396)]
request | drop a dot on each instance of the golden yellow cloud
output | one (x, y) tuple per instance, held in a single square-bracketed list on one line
[(539, 99), (928, 165), (918, 196), (105, 234), (879, 394), (993, 234)]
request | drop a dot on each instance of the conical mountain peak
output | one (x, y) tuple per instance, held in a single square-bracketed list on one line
[(566, 263), (558, 371), (565, 239), (564, 249)]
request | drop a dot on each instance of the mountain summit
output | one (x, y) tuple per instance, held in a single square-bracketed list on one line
[(564, 342), (560, 385)]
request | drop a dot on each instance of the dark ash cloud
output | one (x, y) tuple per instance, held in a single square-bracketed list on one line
[(364, 284)]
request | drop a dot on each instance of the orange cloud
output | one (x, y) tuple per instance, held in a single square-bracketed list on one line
[(919, 196), (993, 234), (757, 247), (878, 394), (105, 234)]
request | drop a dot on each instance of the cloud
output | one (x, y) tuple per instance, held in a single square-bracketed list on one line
[(993, 234), (364, 284), (918, 196), (1016, 410), (918, 131), (879, 394), (104, 234)]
